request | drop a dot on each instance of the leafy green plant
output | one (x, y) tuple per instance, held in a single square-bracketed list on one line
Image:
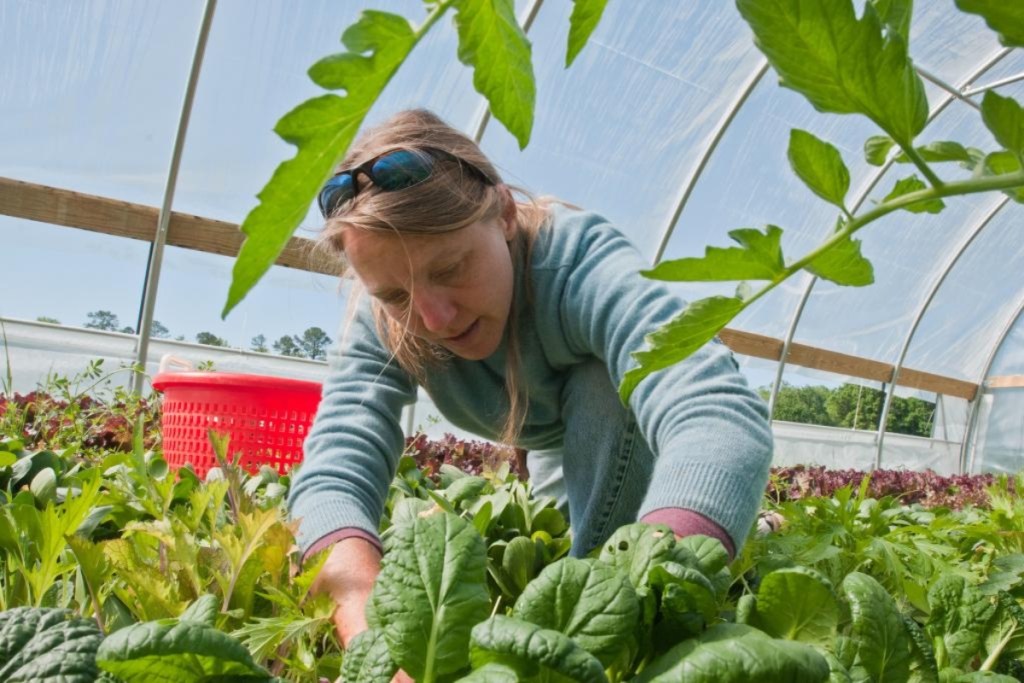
[(842, 64)]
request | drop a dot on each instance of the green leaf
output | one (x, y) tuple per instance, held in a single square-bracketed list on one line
[(940, 151), (494, 45), (586, 14), (915, 184), (759, 257), (923, 667), (841, 64), (47, 646), (175, 651), (876, 149), (1005, 633), (586, 600), (1003, 163), (367, 659), (883, 646), (687, 600), (492, 673), (711, 555), (322, 128), (959, 618), (519, 562), (204, 610), (797, 604), (896, 14), (634, 548), (1005, 118), (431, 590), (7, 458), (734, 653), (532, 650), (699, 322), (820, 166), (843, 264), (1003, 17)]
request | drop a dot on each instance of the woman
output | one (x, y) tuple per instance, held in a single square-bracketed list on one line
[(518, 318)]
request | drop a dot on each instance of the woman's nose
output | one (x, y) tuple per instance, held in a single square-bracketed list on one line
[(436, 311)]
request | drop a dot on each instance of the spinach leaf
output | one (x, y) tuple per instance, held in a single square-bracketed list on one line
[(586, 600), (796, 604), (531, 650), (959, 619), (367, 659), (430, 592), (882, 642), (44, 645)]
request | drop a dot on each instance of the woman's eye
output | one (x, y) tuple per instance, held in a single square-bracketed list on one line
[(397, 299)]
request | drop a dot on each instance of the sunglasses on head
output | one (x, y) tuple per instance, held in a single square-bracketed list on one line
[(391, 171)]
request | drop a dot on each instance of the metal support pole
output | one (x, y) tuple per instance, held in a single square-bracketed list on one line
[(723, 124), (976, 403), (921, 310), (156, 251), (968, 92), (788, 341)]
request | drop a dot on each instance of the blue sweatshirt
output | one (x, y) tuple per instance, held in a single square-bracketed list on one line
[(708, 428)]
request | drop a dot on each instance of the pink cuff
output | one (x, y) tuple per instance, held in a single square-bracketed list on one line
[(689, 523), (341, 534)]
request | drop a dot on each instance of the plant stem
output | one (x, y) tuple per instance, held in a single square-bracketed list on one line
[(923, 166), (957, 188), (993, 657), (432, 18)]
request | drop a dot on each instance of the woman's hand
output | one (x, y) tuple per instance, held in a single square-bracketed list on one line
[(348, 576)]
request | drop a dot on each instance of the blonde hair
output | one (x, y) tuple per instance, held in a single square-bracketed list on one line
[(451, 198)]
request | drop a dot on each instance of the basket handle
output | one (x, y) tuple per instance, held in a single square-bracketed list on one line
[(169, 361)]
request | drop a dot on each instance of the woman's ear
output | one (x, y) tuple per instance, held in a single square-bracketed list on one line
[(509, 219)]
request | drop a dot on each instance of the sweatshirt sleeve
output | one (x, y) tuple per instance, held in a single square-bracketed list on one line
[(353, 447), (708, 429)]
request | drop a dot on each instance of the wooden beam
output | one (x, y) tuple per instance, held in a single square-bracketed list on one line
[(761, 346), (750, 344), (135, 221), (1005, 382)]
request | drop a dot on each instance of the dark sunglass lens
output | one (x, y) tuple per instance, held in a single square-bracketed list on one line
[(401, 169), (335, 192)]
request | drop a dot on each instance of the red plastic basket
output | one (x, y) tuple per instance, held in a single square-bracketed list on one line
[(266, 418)]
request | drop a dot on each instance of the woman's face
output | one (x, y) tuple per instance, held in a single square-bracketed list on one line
[(453, 289)]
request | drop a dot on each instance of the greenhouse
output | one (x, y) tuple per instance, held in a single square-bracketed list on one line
[(834, 188)]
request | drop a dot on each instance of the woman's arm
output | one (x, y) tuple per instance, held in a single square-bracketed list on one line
[(348, 576)]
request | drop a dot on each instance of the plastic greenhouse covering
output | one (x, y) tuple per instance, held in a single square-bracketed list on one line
[(670, 123)]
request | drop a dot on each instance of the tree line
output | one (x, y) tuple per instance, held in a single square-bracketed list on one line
[(852, 406), (312, 343)]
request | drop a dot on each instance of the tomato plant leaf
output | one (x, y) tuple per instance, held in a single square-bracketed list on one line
[(914, 184), (1005, 118), (939, 151), (1002, 163), (1005, 18), (532, 650), (882, 642), (797, 604), (843, 264), (876, 149), (759, 257), (699, 322), (430, 592), (494, 45), (586, 600), (820, 166), (322, 129), (896, 15), (586, 15), (840, 63)]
